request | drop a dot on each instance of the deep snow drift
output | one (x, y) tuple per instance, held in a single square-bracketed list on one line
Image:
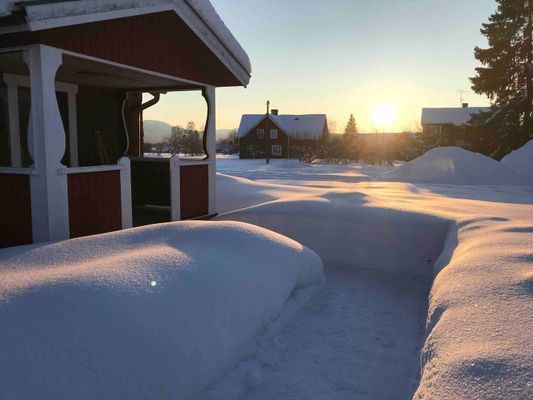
[(476, 343), (454, 166), (157, 312), (521, 161)]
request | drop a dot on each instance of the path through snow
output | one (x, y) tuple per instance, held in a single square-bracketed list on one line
[(358, 338)]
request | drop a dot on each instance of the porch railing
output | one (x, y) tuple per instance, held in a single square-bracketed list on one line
[(99, 198), (15, 207), (182, 186)]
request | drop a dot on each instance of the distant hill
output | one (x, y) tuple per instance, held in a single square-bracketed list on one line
[(158, 131), (223, 133)]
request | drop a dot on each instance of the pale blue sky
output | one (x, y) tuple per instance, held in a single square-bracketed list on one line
[(345, 56)]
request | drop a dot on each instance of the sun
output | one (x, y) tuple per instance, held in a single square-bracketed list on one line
[(384, 114)]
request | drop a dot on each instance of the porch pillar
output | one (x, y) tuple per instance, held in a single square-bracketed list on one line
[(49, 192), (175, 188), (125, 192), (14, 128), (209, 95)]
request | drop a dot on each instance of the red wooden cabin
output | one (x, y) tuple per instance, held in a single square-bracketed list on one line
[(72, 79), (279, 136)]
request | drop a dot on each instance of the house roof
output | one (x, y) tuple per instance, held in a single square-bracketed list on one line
[(307, 126), (46, 14), (451, 115)]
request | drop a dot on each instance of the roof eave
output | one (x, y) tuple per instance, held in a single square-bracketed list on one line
[(184, 11)]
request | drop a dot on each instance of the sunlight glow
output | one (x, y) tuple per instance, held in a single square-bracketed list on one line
[(384, 114)]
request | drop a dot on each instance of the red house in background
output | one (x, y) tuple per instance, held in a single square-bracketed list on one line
[(273, 135), (72, 79)]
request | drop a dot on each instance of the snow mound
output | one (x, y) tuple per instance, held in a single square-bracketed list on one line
[(454, 166), (153, 312), (521, 161)]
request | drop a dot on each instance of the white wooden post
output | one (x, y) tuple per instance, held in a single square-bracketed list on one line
[(49, 191), (14, 127), (209, 93), (175, 189), (125, 192), (73, 128)]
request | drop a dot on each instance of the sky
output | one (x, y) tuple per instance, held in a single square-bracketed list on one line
[(339, 57)]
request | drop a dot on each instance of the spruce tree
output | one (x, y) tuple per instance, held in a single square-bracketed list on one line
[(506, 74), (351, 126), (350, 139)]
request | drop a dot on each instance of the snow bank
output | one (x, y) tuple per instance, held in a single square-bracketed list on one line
[(477, 341), (148, 313), (521, 161), (454, 166), (479, 329)]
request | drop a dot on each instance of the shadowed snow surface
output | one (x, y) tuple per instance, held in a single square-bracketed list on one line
[(521, 161), (150, 313), (374, 237)]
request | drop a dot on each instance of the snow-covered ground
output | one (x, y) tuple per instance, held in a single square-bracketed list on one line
[(157, 312), (427, 294), (375, 327)]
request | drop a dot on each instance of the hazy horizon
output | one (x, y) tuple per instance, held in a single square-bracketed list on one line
[(345, 57)]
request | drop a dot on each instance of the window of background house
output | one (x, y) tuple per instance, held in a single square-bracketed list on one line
[(435, 130), (260, 133), (276, 150), (273, 134)]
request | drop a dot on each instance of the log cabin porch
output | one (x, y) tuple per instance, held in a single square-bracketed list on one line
[(72, 79), (71, 149)]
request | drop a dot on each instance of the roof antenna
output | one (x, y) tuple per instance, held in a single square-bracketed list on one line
[(461, 98), (268, 107)]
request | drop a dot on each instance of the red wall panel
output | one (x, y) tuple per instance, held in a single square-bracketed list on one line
[(194, 191), (15, 210), (94, 203), (159, 42)]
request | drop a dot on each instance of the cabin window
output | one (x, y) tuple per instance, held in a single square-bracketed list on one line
[(276, 150), (260, 133), (435, 130), (273, 134)]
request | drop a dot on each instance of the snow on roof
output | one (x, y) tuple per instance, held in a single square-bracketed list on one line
[(39, 11), (451, 115), (307, 126)]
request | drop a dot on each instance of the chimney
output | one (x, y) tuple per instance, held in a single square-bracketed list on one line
[(274, 111), (465, 105)]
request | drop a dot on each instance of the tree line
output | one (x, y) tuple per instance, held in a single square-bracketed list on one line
[(183, 140)]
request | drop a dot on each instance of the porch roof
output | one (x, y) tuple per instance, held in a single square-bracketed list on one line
[(195, 30)]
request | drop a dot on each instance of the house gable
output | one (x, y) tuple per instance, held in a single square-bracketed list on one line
[(159, 42)]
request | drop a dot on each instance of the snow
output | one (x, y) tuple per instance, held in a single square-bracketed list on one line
[(454, 166), (286, 172), (148, 313), (521, 161), (428, 290), (42, 11), (309, 126), (427, 295), (453, 115)]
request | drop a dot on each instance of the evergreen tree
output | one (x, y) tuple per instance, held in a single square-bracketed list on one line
[(351, 126), (506, 75), (351, 139)]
